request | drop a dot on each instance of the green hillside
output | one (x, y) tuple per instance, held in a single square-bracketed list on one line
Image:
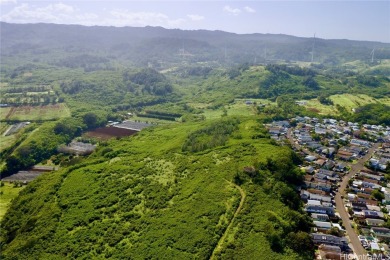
[(133, 199), (206, 181)]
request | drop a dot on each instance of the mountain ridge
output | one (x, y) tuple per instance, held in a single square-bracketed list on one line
[(141, 45)]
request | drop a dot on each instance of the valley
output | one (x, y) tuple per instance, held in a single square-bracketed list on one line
[(159, 155)]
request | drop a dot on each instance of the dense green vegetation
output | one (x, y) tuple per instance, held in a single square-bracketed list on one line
[(138, 200), (373, 114), (8, 191), (207, 182)]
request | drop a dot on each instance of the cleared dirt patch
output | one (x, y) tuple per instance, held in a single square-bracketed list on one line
[(105, 133)]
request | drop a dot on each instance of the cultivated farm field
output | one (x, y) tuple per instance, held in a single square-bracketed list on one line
[(105, 133), (32, 113)]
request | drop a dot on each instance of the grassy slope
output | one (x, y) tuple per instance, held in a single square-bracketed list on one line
[(7, 141), (145, 200), (8, 192), (348, 101)]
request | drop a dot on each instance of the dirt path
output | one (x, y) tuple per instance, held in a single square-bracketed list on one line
[(223, 237), (10, 112)]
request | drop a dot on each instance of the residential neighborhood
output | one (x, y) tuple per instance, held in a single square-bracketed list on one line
[(345, 191)]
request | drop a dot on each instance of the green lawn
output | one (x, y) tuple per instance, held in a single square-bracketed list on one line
[(8, 192)]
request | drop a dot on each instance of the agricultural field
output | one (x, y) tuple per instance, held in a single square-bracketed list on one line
[(34, 113), (8, 192), (105, 133), (18, 94)]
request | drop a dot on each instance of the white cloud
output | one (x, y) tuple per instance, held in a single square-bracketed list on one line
[(195, 17), (249, 10), (230, 10), (127, 18), (8, 2), (52, 13), (66, 14)]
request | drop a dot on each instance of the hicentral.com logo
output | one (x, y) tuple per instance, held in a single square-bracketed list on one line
[(363, 257)]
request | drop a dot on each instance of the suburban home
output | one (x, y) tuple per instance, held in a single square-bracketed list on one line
[(371, 202), (319, 130), (346, 156), (319, 162), (318, 192), (381, 233), (373, 207), (320, 176), (329, 165), (330, 240), (329, 151), (373, 214), (358, 205), (319, 186), (319, 217), (366, 190), (330, 249), (304, 139), (274, 131), (364, 196), (314, 202), (281, 123), (374, 222), (320, 209), (360, 142), (320, 197), (340, 167), (372, 176), (313, 145), (309, 169), (321, 225), (327, 172), (327, 204), (310, 158), (370, 180)]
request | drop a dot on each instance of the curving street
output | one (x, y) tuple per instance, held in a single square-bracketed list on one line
[(340, 207), (355, 168)]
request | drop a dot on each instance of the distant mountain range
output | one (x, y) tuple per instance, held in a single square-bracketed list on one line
[(156, 45)]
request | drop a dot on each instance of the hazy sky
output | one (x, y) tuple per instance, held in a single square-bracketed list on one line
[(355, 20)]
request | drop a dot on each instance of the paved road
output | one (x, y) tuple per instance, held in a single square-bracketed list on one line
[(353, 237), (355, 168)]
